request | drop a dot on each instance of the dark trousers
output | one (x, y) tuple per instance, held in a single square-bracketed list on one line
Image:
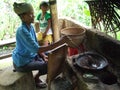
[(36, 64)]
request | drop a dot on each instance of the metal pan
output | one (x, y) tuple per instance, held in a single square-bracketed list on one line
[(91, 61), (96, 64)]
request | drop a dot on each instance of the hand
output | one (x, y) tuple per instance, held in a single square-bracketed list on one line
[(45, 57)]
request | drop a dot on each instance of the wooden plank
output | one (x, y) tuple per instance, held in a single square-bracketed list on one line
[(5, 56), (7, 42), (56, 60)]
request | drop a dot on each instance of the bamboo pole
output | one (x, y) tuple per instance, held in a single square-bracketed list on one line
[(53, 10)]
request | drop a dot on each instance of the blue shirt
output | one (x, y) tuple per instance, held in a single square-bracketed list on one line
[(26, 45)]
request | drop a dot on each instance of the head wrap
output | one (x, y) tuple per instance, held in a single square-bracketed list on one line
[(20, 8)]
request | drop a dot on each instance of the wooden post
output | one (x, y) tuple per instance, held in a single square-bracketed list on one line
[(53, 10)]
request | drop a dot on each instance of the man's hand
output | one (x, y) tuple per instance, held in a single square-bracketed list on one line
[(45, 57)]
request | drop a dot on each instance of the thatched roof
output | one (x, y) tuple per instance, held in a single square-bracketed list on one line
[(104, 15)]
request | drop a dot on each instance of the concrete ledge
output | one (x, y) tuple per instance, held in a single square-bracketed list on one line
[(10, 80)]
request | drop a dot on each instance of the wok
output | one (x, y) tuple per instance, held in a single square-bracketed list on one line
[(92, 62)]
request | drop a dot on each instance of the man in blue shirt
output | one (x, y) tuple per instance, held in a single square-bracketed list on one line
[(28, 55)]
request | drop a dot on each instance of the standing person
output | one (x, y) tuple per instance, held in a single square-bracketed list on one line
[(28, 55), (44, 19)]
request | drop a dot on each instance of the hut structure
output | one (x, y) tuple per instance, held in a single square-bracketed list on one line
[(104, 17)]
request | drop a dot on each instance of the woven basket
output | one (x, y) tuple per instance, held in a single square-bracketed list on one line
[(75, 34)]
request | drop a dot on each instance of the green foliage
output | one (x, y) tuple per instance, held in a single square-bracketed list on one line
[(118, 36), (76, 9), (9, 21), (5, 47)]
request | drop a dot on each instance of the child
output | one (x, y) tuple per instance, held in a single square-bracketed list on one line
[(44, 19)]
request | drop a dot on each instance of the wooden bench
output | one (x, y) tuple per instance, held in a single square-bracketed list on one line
[(10, 80)]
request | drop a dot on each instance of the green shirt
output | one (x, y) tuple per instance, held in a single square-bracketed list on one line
[(43, 21)]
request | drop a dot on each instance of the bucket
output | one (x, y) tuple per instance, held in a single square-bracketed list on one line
[(76, 35)]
